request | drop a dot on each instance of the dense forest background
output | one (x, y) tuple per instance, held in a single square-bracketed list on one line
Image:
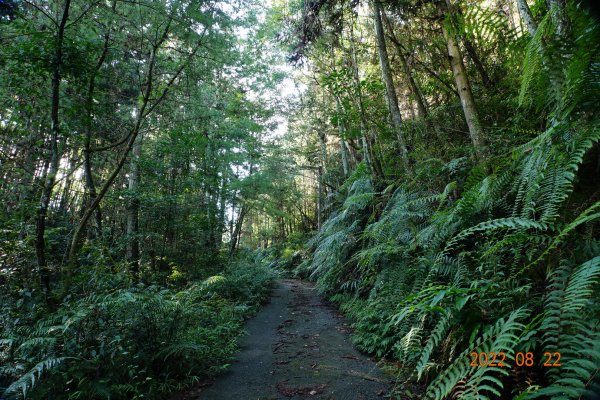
[(432, 164)]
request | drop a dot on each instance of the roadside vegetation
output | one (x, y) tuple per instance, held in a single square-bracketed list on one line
[(459, 199), (431, 164)]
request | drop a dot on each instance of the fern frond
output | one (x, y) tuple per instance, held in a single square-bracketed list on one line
[(211, 280), (500, 223), (480, 382), (590, 214), (28, 380), (435, 337), (572, 328)]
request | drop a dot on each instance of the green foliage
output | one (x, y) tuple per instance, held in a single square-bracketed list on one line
[(458, 255), (570, 327), (437, 271), (338, 237), (488, 256), (142, 342), (424, 278), (477, 382), (430, 280)]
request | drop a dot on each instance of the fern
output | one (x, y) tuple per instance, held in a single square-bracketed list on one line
[(29, 380), (487, 26), (501, 223), (481, 382), (535, 58), (590, 214), (211, 280), (435, 338), (571, 327)]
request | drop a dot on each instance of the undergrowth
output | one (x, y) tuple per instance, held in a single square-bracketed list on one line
[(129, 343)]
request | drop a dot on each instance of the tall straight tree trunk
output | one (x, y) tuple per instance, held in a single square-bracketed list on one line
[(323, 148), (464, 88), (87, 154), (363, 120), (414, 88), (558, 10), (526, 16), (352, 151), (340, 125), (342, 133), (222, 208), (40, 223), (322, 171), (319, 198), (133, 209), (472, 52), (63, 206), (27, 180), (237, 231), (390, 89)]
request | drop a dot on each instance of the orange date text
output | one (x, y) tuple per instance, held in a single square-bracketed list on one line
[(521, 359)]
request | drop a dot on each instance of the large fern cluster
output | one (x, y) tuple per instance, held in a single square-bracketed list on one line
[(339, 237), (503, 259)]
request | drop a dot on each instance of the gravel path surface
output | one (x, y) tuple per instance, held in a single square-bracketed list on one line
[(298, 347)]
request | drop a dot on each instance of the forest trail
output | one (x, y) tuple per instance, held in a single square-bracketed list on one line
[(298, 347)]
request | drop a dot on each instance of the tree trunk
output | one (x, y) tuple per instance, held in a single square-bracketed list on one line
[(237, 231), (558, 10), (222, 208), (322, 170), (414, 88), (526, 15), (485, 78), (40, 223), (133, 209), (87, 154), (27, 181), (421, 107), (342, 133), (71, 166), (390, 89), (319, 198), (464, 90), (363, 120)]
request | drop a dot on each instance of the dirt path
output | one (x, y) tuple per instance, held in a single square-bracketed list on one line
[(298, 347)]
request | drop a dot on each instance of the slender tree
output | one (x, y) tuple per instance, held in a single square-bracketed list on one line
[(463, 84), (390, 88), (53, 165)]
